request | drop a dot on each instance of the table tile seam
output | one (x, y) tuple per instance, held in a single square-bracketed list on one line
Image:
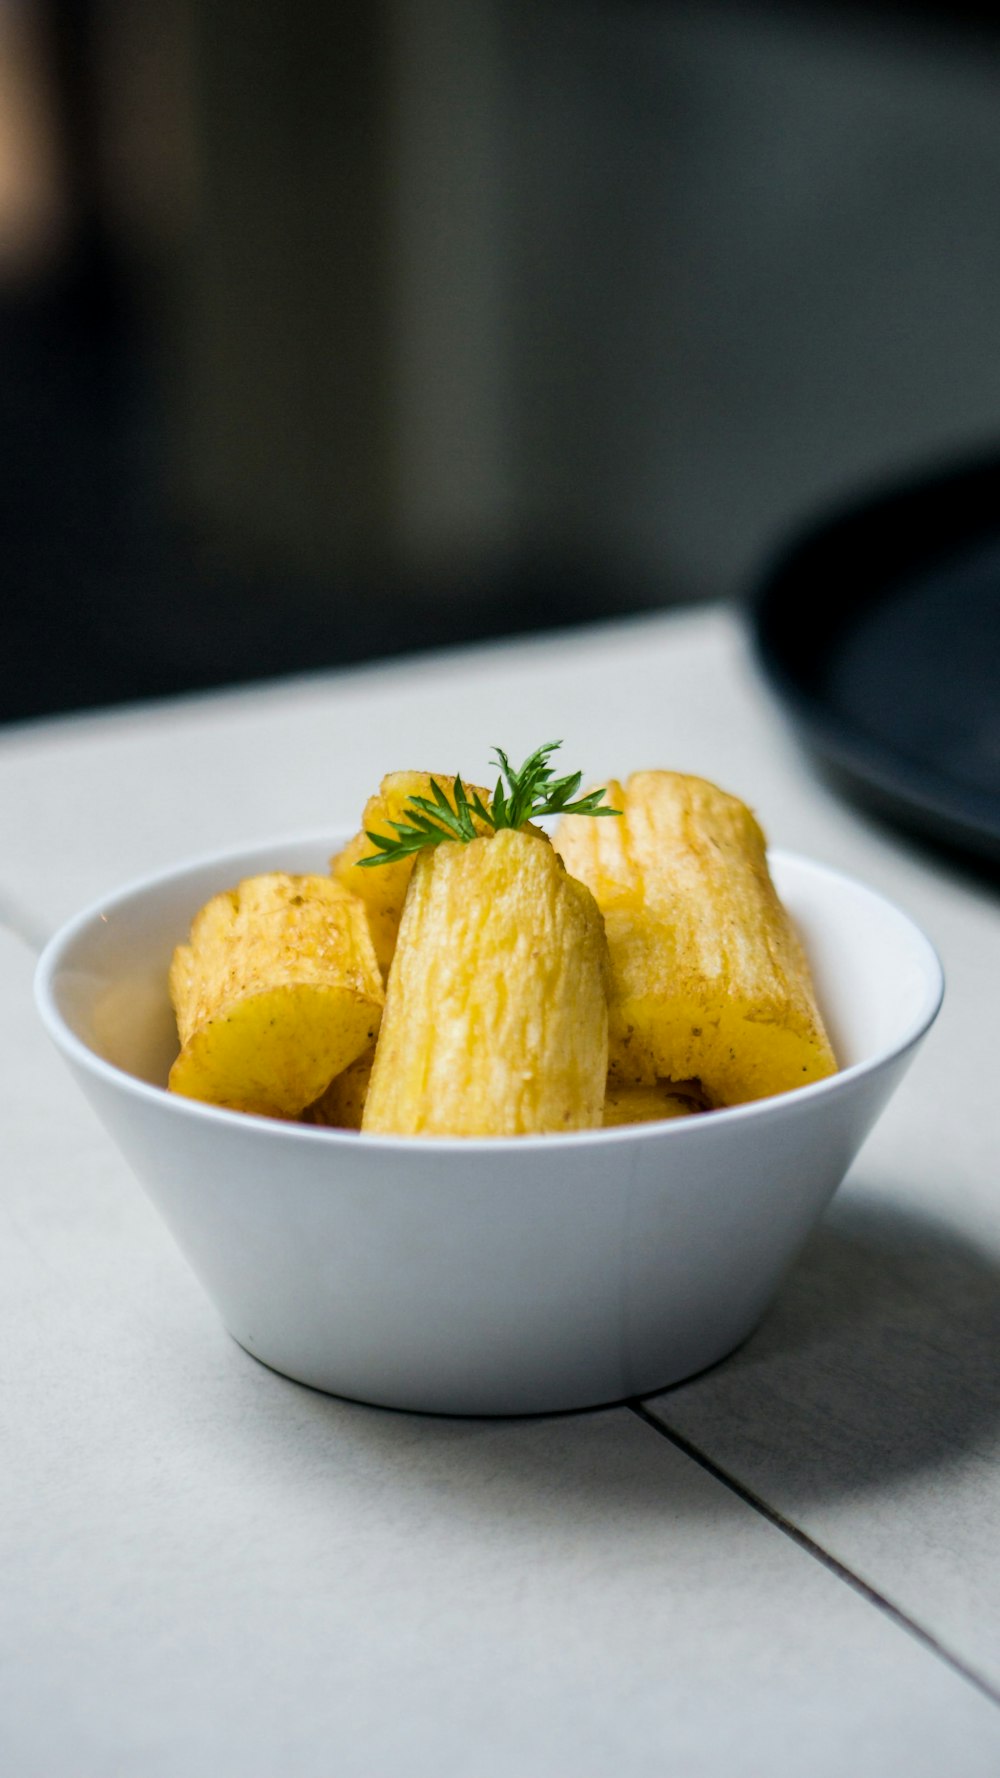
[(902, 1619)]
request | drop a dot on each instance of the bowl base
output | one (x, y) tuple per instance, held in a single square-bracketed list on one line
[(515, 1406)]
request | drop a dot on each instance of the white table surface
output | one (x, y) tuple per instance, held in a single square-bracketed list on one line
[(789, 1565)]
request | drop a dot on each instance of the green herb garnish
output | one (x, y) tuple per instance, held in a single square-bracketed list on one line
[(519, 797)]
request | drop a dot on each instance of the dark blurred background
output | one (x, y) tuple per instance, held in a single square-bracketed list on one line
[(331, 332)]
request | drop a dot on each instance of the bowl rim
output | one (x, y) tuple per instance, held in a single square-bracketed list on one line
[(796, 1101)]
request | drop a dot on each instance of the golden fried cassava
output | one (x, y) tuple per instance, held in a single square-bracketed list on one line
[(277, 991), (383, 890), (343, 1103), (708, 977), (649, 1104), (496, 1005)]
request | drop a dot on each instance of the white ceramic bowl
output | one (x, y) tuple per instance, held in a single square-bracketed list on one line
[(500, 1276)]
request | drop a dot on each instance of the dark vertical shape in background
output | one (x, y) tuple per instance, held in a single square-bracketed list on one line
[(284, 357)]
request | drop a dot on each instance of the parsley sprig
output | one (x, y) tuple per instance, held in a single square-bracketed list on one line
[(519, 796)]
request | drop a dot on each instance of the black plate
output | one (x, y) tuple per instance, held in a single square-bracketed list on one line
[(880, 631)]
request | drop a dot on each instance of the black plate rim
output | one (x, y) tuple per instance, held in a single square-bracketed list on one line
[(934, 802)]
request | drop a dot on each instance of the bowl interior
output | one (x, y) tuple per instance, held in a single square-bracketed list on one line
[(104, 977)]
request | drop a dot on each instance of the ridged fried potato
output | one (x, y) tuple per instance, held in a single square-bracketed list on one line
[(342, 1105), (648, 1104), (708, 976), (496, 1006), (277, 991), (383, 888)]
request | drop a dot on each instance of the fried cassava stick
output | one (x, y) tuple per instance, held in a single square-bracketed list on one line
[(496, 1017), (277, 991), (496, 1005), (709, 979)]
